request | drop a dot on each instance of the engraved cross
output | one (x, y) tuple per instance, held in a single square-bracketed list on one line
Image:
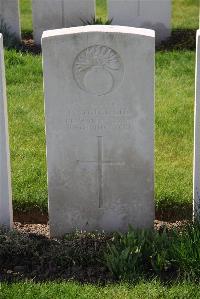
[(100, 163)]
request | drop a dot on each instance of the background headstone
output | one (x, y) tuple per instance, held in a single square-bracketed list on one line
[(54, 14), (6, 217), (196, 175), (99, 105), (10, 15), (152, 14)]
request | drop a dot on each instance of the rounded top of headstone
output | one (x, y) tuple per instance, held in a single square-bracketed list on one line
[(99, 28)]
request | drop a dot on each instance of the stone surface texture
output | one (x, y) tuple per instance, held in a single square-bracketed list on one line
[(196, 166), (99, 106), (6, 216), (152, 14), (9, 13), (54, 14)]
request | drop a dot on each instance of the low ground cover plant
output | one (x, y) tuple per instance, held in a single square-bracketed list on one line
[(167, 254), (97, 21)]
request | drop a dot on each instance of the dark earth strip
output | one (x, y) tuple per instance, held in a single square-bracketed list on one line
[(27, 253)]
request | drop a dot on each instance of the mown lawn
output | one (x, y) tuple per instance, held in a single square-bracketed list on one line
[(26, 16), (148, 290), (174, 128), (185, 14), (27, 136), (174, 118)]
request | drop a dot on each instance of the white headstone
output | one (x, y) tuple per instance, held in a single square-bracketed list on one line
[(99, 105), (196, 175), (152, 14), (54, 14), (10, 15), (5, 180)]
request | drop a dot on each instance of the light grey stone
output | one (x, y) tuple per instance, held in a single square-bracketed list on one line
[(99, 106), (196, 166), (152, 14), (6, 217), (54, 14), (10, 15)]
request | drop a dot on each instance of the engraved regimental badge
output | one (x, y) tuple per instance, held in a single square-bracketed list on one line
[(98, 70)]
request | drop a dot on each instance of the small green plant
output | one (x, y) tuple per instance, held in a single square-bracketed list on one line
[(97, 21), (9, 38), (125, 256), (185, 251), (160, 254), (150, 252)]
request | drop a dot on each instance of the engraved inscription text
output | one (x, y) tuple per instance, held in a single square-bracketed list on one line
[(99, 119)]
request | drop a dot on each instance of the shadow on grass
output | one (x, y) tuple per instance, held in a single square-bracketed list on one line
[(174, 212), (181, 39)]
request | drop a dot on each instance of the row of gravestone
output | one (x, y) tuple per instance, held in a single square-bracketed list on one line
[(99, 107), (53, 14)]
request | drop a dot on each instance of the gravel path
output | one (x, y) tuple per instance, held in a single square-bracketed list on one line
[(43, 229)]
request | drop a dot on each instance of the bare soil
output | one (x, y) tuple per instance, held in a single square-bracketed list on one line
[(27, 253), (166, 214)]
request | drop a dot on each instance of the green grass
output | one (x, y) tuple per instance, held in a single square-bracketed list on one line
[(26, 16), (185, 14), (174, 118), (101, 8), (147, 290), (174, 128), (27, 136)]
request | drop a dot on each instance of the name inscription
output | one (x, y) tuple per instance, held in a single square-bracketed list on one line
[(99, 119)]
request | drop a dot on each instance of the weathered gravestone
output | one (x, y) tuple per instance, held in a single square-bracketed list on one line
[(10, 16), (54, 14), (99, 105), (152, 14), (196, 175), (5, 180)]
